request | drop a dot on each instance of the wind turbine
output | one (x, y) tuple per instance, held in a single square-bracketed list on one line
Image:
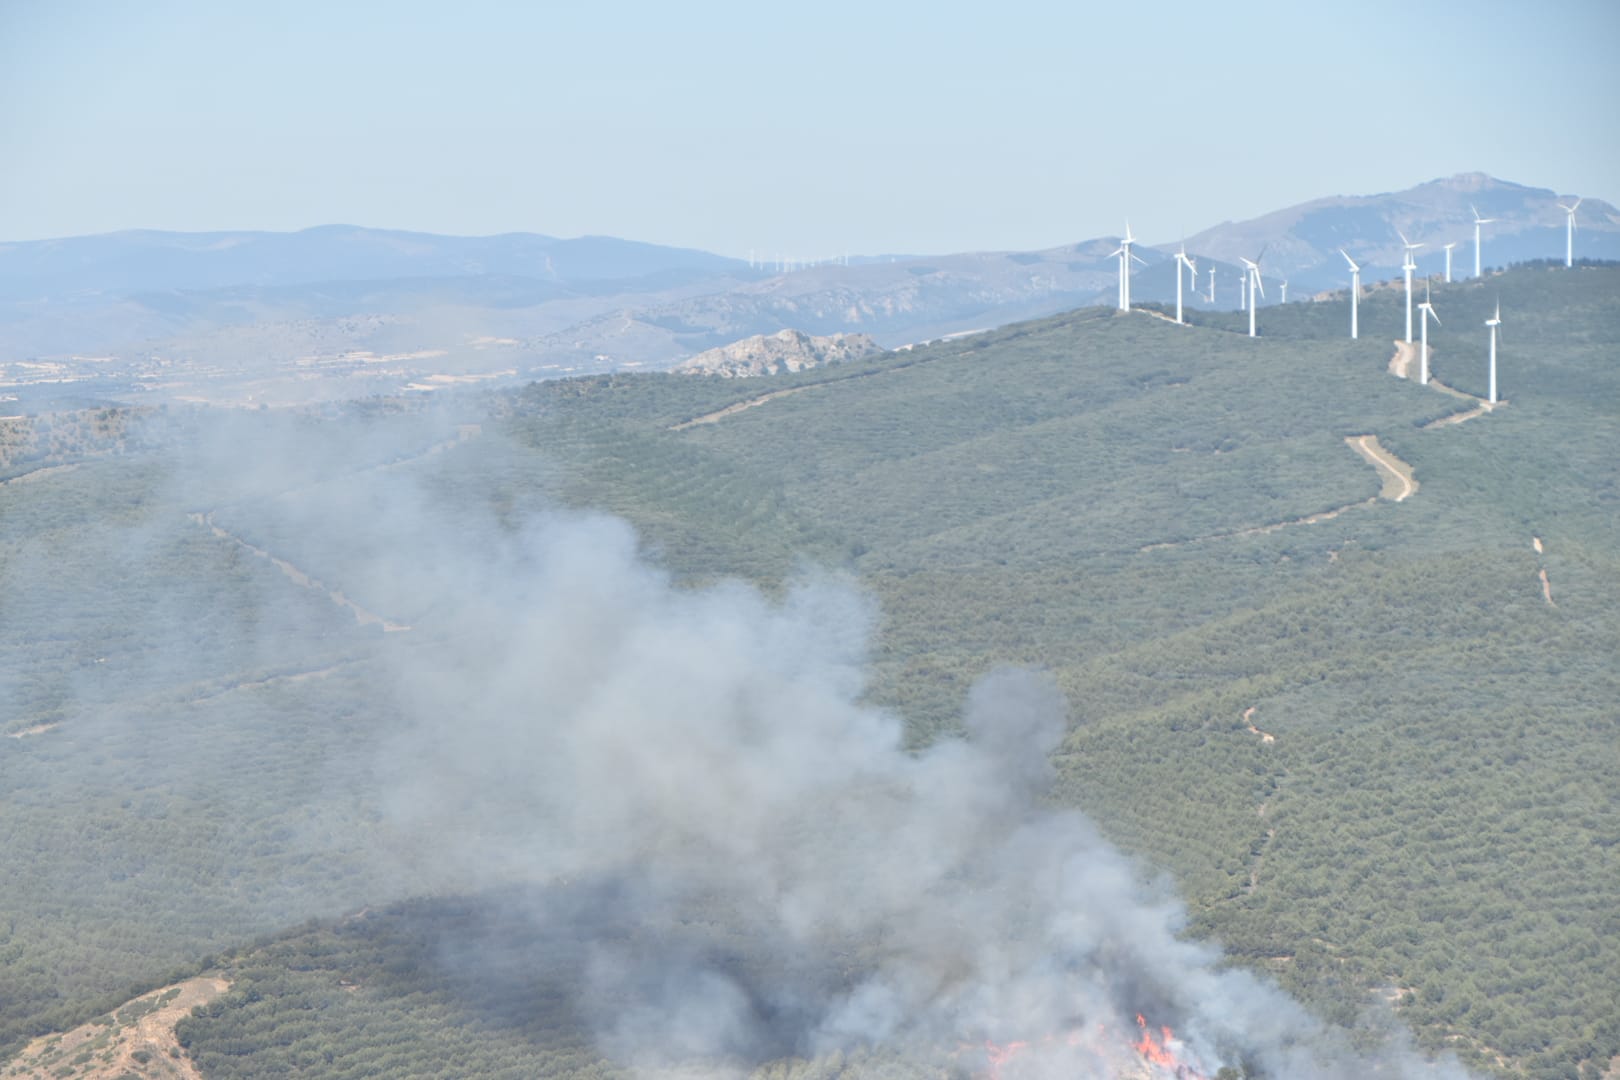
[(1448, 248), (1211, 285), (1285, 290), (1256, 289), (1569, 233), (1478, 221), (1493, 322), (1426, 309), (1243, 292), (1355, 292), (1408, 266), (1125, 255), (1182, 260)]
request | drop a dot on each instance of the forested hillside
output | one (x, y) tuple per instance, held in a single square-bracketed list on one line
[(1371, 741)]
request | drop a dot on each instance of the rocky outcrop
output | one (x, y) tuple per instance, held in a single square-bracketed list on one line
[(785, 350)]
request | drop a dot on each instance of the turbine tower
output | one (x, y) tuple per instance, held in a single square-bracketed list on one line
[(1355, 293), (1448, 248), (1569, 231), (1243, 292), (1125, 255), (1493, 322), (1255, 288), (1478, 221), (1285, 291), (1426, 309), (1211, 285), (1408, 266), (1182, 260)]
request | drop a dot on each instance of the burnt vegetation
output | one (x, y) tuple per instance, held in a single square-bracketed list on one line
[(1432, 822)]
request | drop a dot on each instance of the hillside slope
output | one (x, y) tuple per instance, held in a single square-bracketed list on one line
[(1375, 758)]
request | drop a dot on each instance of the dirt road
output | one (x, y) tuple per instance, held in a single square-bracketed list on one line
[(1405, 358), (361, 615), (1397, 474), (732, 410)]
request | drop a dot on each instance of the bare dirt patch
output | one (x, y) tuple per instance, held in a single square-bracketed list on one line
[(134, 1040)]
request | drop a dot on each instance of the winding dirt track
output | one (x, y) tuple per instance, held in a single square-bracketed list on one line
[(1248, 719), (1458, 417), (1257, 530), (1398, 484), (1397, 474), (1406, 355)]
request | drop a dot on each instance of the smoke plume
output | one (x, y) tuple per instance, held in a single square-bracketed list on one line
[(703, 762)]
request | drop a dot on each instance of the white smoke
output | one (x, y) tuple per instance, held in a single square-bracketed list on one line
[(704, 758)]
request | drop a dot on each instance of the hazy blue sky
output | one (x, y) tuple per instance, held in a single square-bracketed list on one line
[(801, 128)]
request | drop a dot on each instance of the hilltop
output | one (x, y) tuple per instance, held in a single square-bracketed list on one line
[(786, 350), (1302, 242)]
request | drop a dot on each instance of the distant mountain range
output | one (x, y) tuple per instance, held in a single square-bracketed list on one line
[(144, 261), (1302, 242), (184, 312)]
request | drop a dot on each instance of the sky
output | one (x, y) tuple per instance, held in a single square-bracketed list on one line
[(797, 129)]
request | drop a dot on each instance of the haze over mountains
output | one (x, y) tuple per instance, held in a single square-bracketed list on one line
[(339, 311)]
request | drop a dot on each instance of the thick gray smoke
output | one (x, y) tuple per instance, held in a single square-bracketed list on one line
[(702, 761)]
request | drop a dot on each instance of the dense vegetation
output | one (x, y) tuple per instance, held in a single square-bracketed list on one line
[(1419, 808)]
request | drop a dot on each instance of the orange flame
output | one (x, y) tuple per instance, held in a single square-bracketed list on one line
[(1159, 1050)]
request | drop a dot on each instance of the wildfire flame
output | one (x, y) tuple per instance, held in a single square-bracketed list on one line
[(1158, 1052), (1161, 1053)]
